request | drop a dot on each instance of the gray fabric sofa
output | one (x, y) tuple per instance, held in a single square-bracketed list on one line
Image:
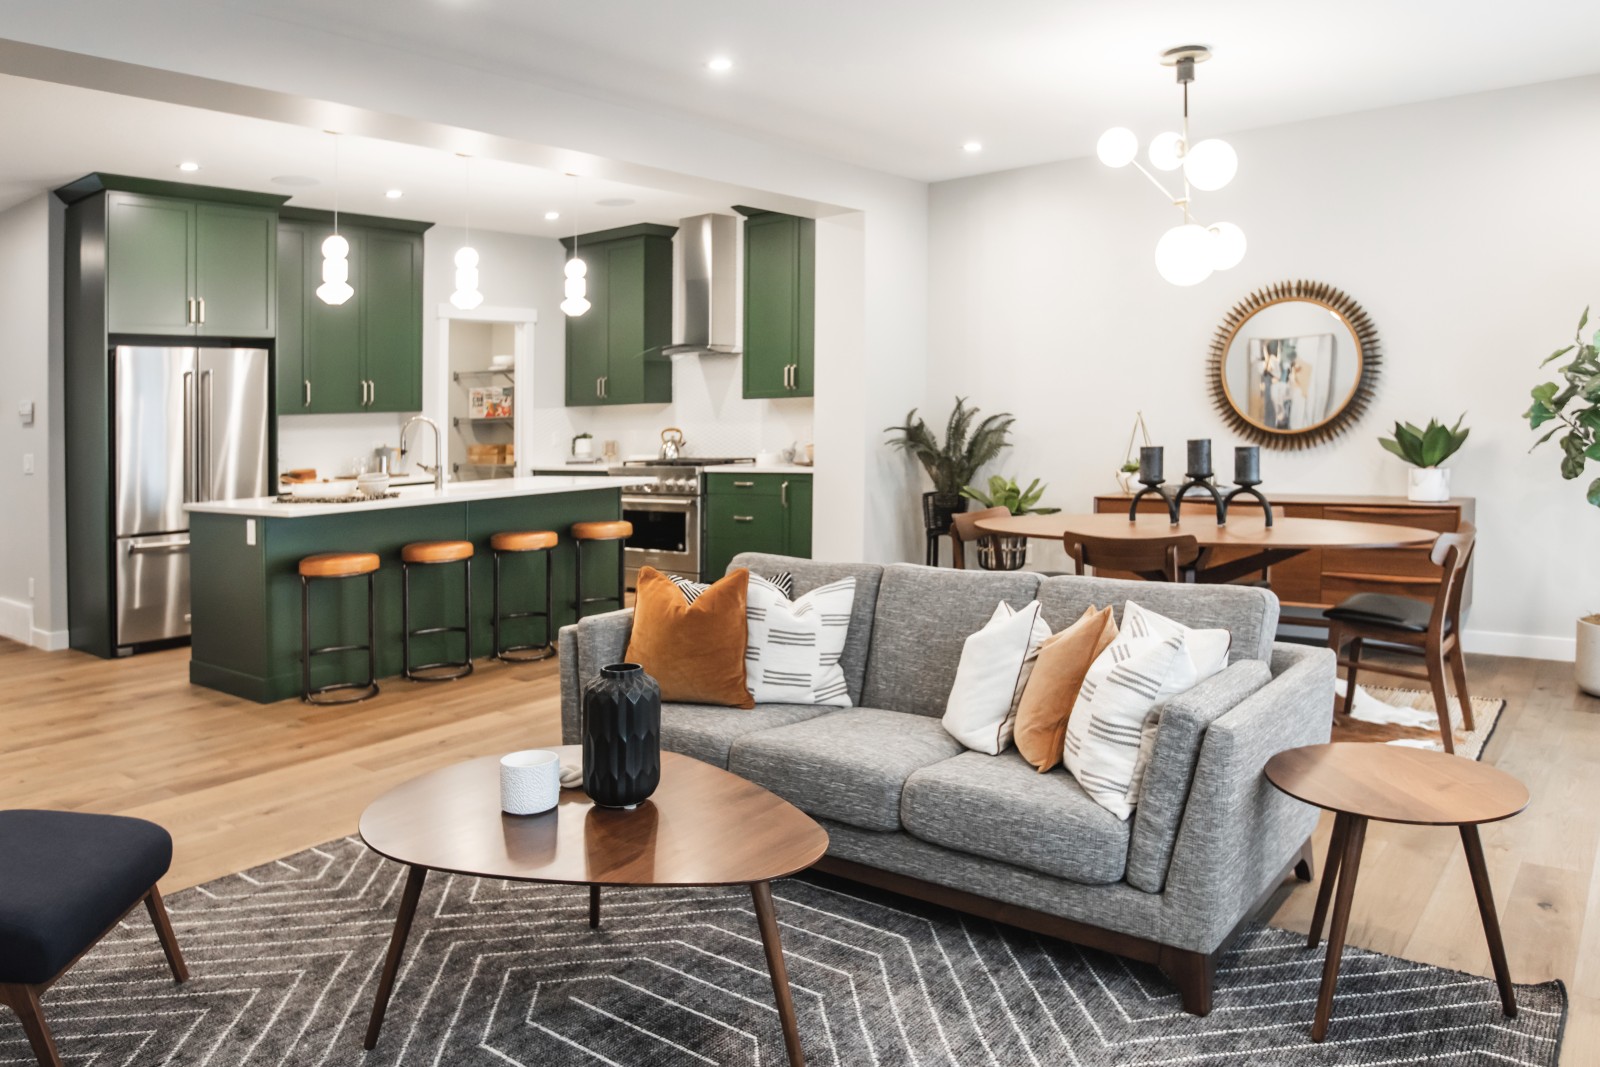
[(909, 809)]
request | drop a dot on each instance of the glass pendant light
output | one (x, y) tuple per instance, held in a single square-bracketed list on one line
[(466, 297), (576, 288), (335, 288)]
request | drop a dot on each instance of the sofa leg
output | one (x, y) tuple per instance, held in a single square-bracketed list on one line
[(1305, 868), (1195, 975)]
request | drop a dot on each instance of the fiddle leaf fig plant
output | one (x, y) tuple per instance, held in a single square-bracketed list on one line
[(1573, 404), (955, 461), (1005, 493), (1426, 447)]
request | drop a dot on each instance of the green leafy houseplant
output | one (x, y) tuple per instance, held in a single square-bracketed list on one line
[(1426, 447), (1554, 402), (1005, 493), (955, 461)]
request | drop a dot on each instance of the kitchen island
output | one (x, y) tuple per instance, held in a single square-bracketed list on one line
[(245, 584)]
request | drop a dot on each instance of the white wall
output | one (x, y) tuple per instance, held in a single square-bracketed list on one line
[(1465, 227), (32, 516)]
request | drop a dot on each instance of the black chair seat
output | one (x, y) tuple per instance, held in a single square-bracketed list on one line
[(65, 877), (1384, 609)]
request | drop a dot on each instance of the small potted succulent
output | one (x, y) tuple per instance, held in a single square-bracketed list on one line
[(999, 552), (1426, 449), (1573, 405), (953, 463)]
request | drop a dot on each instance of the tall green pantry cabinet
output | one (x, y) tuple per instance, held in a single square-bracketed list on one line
[(614, 349), (780, 298)]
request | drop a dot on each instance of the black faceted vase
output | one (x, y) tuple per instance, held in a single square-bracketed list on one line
[(621, 736)]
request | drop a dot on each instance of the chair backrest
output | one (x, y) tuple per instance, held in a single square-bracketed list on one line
[(965, 528), (1166, 555), (1453, 553)]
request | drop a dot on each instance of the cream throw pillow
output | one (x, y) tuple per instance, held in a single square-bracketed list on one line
[(979, 711), (793, 648), (1112, 728)]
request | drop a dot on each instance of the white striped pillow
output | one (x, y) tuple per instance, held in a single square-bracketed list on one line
[(793, 646), (783, 582)]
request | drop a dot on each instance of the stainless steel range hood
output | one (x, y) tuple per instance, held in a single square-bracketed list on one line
[(705, 287)]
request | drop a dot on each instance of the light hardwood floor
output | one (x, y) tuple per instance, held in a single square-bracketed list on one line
[(239, 784)]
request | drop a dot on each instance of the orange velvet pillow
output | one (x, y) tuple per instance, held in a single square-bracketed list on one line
[(694, 651), (1058, 672)]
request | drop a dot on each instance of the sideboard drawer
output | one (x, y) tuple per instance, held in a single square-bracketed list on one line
[(1407, 562), (1443, 520), (1336, 586)]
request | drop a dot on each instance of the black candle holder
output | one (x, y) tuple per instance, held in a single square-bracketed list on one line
[(1166, 498), (1249, 489), (1206, 484)]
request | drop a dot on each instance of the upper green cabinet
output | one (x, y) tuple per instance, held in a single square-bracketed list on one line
[(364, 354), (190, 267), (614, 349), (780, 254)]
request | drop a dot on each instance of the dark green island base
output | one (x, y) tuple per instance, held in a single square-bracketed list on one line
[(245, 598)]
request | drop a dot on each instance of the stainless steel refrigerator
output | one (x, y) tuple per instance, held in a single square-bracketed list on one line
[(192, 424)]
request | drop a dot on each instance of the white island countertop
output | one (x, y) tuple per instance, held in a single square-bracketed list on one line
[(269, 507)]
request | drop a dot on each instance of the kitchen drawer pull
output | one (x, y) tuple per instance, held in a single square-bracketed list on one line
[(167, 547), (308, 392), (189, 311), (372, 391), (202, 301), (744, 485), (744, 518)]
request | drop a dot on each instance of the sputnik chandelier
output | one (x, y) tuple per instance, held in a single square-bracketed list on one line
[(1189, 252)]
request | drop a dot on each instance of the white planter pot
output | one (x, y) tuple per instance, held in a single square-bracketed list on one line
[(1587, 667), (1429, 484)]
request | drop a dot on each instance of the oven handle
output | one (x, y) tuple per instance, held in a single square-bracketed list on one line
[(660, 503)]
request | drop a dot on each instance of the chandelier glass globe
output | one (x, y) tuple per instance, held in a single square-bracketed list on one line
[(1117, 147), (1227, 245), (574, 306), (1166, 151), (576, 268), (1211, 164), (1184, 254)]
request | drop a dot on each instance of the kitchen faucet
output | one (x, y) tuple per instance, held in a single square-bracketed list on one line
[(437, 470)]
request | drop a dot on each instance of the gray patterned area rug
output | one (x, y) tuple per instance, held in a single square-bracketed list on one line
[(285, 958)]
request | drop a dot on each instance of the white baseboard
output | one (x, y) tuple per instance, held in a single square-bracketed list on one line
[(51, 640), (16, 620), (1528, 646)]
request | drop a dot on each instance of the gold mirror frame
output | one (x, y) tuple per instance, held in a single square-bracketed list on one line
[(1355, 403)]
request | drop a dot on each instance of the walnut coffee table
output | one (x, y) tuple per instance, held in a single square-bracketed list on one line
[(702, 827), (1395, 783)]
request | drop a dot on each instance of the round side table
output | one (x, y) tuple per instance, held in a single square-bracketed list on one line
[(1394, 783)]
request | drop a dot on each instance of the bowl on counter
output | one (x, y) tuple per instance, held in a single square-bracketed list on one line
[(373, 484)]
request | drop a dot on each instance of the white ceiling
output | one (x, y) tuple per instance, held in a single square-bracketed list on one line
[(55, 133), (899, 85)]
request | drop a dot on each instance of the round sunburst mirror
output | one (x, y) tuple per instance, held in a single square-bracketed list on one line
[(1294, 364)]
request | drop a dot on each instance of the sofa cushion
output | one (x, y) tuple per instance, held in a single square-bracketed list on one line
[(1250, 614), (924, 617), (1001, 808), (810, 574), (1164, 794), (847, 765), (707, 732)]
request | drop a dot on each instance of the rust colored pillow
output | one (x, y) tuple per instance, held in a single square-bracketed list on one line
[(695, 651), (1052, 689)]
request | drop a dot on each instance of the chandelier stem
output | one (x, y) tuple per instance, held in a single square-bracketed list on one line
[(1153, 180)]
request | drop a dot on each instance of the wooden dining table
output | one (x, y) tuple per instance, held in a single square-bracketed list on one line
[(1252, 544)]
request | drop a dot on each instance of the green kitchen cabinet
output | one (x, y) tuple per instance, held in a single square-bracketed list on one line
[(364, 354), (614, 350), (779, 304), (755, 513)]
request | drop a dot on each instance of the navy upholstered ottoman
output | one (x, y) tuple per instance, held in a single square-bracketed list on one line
[(67, 878)]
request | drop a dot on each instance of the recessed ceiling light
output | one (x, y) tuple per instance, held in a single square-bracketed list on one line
[(551, 216), (394, 194), (615, 201), (188, 168), (972, 148), (719, 64)]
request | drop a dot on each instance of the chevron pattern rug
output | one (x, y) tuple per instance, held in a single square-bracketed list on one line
[(285, 958)]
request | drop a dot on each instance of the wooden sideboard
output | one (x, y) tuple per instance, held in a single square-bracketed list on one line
[(1319, 579)]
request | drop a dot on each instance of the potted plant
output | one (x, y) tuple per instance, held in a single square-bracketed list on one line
[(1425, 450), (954, 462), (583, 446), (1573, 404), (1003, 552)]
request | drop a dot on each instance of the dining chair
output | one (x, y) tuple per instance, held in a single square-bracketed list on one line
[(1169, 558), (1415, 627), (965, 528)]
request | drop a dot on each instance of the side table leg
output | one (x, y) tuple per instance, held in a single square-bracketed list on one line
[(1330, 875), (1491, 923), (397, 948), (1349, 867), (770, 940), (594, 907)]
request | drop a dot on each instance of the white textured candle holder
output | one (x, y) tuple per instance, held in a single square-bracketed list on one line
[(530, 781)]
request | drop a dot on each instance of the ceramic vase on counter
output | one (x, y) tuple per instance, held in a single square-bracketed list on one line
[(621, 736)]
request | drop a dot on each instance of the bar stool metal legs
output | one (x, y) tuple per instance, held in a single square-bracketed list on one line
[(433, 553), (618, 531), (334, 566), (517, 543)]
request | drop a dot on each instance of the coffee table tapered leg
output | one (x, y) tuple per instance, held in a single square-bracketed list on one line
[(1349, 867), (770, 940), (1330, 875), (594, 907), (1491, 922), (397, 948)]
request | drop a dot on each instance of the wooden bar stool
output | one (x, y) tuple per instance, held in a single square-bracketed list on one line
[(613, 530), (525, 541), (330, 565), (429, 554)]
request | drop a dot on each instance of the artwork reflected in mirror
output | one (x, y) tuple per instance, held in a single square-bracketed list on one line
[(1294, 364)]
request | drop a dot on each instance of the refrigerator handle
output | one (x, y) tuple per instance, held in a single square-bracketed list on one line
[(188, 437), (205, 435)]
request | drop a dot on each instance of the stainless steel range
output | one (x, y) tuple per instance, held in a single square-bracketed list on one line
[(666, 515)]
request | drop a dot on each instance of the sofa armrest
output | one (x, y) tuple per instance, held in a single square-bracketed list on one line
[(1239, 833), (592, 643)]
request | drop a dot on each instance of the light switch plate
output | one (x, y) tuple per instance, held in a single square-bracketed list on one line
[(25, 412), (27, 463)]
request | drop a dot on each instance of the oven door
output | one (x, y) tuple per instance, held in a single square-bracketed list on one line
[(666, 535)]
